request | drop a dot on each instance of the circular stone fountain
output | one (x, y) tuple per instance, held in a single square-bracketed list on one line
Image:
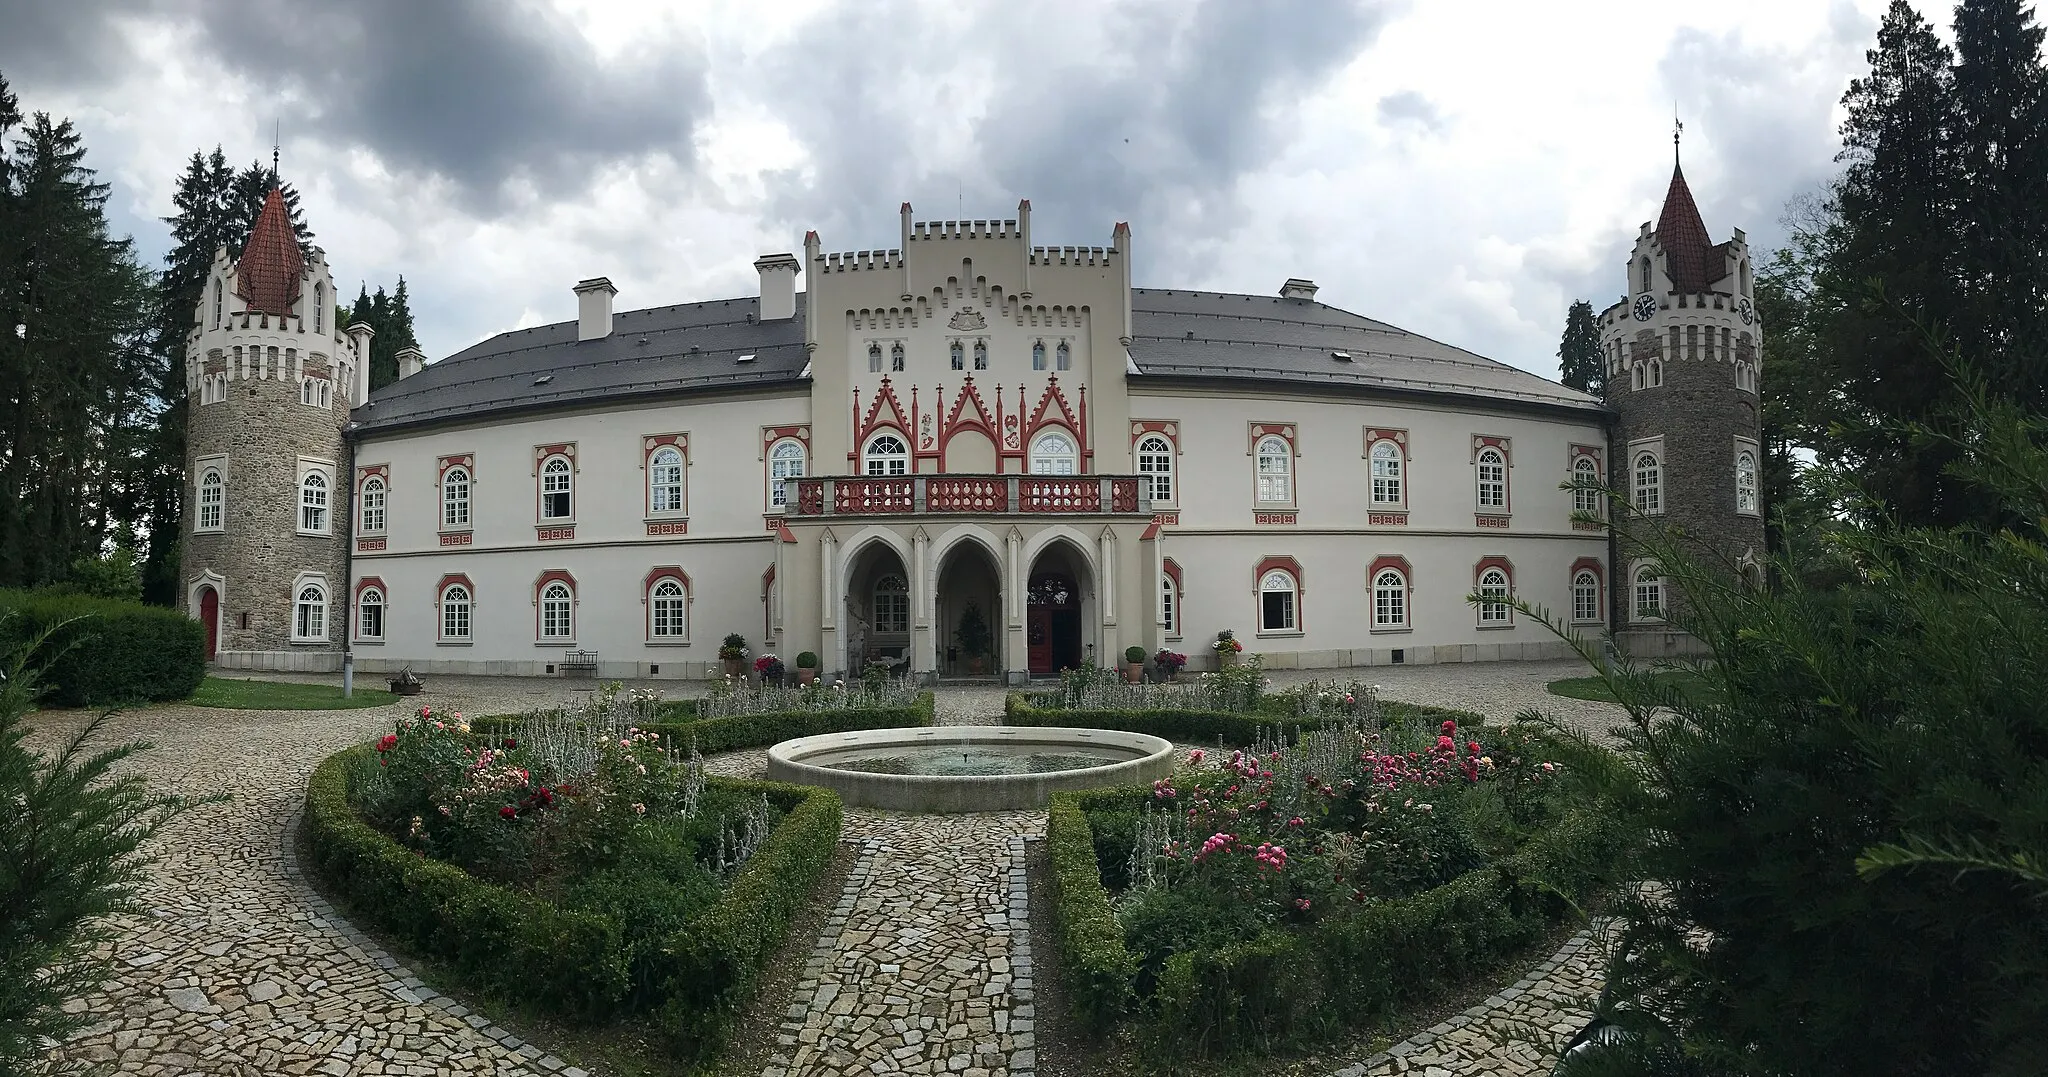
[(967, 768)]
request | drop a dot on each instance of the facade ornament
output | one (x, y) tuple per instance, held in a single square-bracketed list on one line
[(967, 319)]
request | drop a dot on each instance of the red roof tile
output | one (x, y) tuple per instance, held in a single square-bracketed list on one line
[(272, 265), (1688, 252)]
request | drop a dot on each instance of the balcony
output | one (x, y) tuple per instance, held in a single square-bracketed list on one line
[(976, 495)]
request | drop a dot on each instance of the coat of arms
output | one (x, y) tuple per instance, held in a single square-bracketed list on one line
[(967, 318)]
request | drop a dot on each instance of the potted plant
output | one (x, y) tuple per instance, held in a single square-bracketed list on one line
[(1227, 648), (405, 684), (733, 654), (973, 637), (1169, 663), (1134, 664), (769, 669), (806, 667)]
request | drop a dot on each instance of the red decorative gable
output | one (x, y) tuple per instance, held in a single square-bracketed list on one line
[(267, 276)]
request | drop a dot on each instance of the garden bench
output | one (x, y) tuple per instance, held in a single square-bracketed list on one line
[(580, 662)]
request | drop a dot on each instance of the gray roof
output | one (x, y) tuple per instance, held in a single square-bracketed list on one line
[(1197, 336)]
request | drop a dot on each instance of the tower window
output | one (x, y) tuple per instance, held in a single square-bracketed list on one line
[(213, 491), (1649, 484), (219, 297), (1064, 356), (1649, 594), (313, 503), (1745, 482), (319, 307)]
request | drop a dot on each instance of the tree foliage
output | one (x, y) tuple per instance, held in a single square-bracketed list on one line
[(390, 317), (1578, 355)]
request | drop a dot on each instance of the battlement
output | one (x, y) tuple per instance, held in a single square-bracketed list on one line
[(855, 261), (1071, 256), (929, 230)]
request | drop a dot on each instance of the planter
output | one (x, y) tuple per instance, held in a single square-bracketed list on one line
[(976, 665), (805, 676), (735, 667), (1134, 672), (1226, 659), (404, 689)]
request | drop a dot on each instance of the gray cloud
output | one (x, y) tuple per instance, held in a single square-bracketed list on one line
[(1410, 107)]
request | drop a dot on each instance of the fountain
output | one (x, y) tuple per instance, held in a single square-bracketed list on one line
[(967, 768)]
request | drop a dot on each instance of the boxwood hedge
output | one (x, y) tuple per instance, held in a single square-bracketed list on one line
[(713, 735), (106, 651), (1203, 727)]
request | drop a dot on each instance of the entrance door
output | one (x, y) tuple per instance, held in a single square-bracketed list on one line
[(209, 615), (1053, 625)]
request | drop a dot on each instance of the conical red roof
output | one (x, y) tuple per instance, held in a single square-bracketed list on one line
[(272, 265), (1688, 253)]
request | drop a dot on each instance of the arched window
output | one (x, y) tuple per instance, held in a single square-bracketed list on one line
[(219, 297), (896, 356), (1649, 594), (1744, 273), (1745, 482), (1064, 356), (1493, 593), (1276, 471), (1155, 464), (892, 605), (319, 307), (668, 610), (1586, 485), (874, 358), (213, 492), (959, 356), (785, 461), (1645, 275), (1656, 373), (455, 498), (1635, 376), (370, 614), (886, 454), (1491, 474), (1053, 453), (556, 478), (455, 606), (665, 480), (1386, 473), (1169, 605), (1649, 485), (1038, 356), (370, 513), (557, 611), (981, 355), (1278, 595), (1585, 595), (313, 503), (1389, 599), (309, 614)]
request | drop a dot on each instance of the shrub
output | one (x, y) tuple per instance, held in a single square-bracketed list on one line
[(727, 734), (733, 648), (106, 651), (1134, 655), (1096, 966), (1202, 726), (807, 660)]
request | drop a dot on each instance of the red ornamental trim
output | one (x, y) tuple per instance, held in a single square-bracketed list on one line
[(1593, 564), (772, 434), (542, 452), (1376, 434), (1591, 451), (663, 572), (382, 471), (1280, 561), (651, 442), (455, 538), (368, 582), (369, 545), (454, 578), (768, 523), (1494, 561), (1167, 427), (1167, 519), (670, 527), (1491, 441), (1284, 431), (467, 460), (1386, 519), (1588, 525), (1395, 562), (1172, 570), (553, 575), (1279, 518), (554, 534), (1496, 522)]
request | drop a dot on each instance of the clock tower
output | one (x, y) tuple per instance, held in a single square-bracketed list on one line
[(1683, 353)]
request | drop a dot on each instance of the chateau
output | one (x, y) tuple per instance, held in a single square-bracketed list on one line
[(881, 443)]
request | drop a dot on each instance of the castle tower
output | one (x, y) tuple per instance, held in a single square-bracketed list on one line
[(269, 380), (1683, 353)]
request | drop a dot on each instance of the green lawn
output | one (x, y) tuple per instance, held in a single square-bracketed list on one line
[(1595, 689), (246, 695)]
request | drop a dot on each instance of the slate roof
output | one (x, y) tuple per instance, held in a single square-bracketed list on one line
[(1177, 335)]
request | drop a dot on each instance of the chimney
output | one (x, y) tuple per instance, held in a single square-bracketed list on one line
[(411, 361), (359, 334), (1296, 288), (778, 286), (594, 308)]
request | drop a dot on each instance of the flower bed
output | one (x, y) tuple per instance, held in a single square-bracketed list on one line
[(575, 864), (1269, 897)]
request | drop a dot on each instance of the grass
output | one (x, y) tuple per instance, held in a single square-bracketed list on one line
[(246, 695), (1594, 689)]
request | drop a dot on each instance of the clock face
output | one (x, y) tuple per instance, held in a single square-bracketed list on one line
[(1646, 307), (1743, 308)]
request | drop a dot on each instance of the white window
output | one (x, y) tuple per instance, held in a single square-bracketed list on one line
[(309, 614), (370, 516), (1169, 605), (1386, 473), (455, 604), (785, 461), (1389, 599), (213, 492), (218, 295), (1038, 356), (1276, 471), (886, 454), (313, 503), (892, 605), (668, 610), (1155, 463), (1585, 596), (896, 356), (455, 498), (1649, 594), (665, 480), (1053, 453), (981, 355), (1493, 594), (1649, 486), (1585, 497), (1064, 356), (1491, 473), (1745, 482), (319, 307), (370, 614), (959, 356), (309, 392), (874, 358), (556, 479), (557, 605), (1277, 600)]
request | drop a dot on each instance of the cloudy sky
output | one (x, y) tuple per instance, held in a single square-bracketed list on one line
[(1461, 168)]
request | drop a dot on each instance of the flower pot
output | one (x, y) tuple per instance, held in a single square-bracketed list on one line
[(805, 676), (1226, 659), (1134, 672), (734, 667), (976, 664)]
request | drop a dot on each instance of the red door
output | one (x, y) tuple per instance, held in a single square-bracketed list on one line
[(209, 615), (1038, 633)]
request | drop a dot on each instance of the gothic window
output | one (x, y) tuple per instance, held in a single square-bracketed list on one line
[(1389, 599), (1645, 274), (1585, 595), (665, 480), (319, 307), (1745, 482), (668, 610), (1155, 464), (1635, 379), (785, 461), (1649, 485), (557, 611), (1275, 471), (886, 454), (874, 358), (219, 296), (896, 356), (313, 503), (370, 514), (556, 479), (1494, 589), (212, 500), (1038, 356), (1586, 485), (1386, 473), (959, 356), (1649, 587), (1053, 453), (1063, 356), (1278, 596), (370, 614), (892, 605), (1656, 373), (309, 613), (455, 607), (1491, 475), (981, 355), (455, 498)]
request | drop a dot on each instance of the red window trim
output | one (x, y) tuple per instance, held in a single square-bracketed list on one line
[(656, 575), (1479, 570), (1372, 576), (356, 602), (1480, 443), (540, 582), (441, 592), (1293, 567), (770, 436), (1571, 579), (1172, 570), (1286, 432), (1399, 436), (467, 462)]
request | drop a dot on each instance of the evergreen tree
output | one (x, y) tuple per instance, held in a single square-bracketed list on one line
[(1578, 356), (390, 317)]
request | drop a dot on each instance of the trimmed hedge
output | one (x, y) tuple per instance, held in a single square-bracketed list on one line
[(714, 735), (1204, 727), (1348, 970), (572, 962), (106, 651)]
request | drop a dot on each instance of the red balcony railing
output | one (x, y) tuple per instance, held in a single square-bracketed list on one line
[(868, 495)]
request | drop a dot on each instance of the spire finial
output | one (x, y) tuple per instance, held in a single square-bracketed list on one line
[(1677, 129), (276, 140)]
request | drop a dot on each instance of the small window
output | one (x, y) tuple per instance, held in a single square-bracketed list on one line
[(1644, 275), (1745, 482), (1493, 593), (1585, 485), (1064, 356), (309, 615), (1275, 471), (556, 478), (370, 515), (958, 355), (896, 356), (1649, 484), (319, 307), (892, 605), (1389, 599), (212, 500), (1585, 596), (455, 498), (1492, 477), (1656, 373), (370, 614), (1635, 376), (665, 480), (1155, 466), (1649, 594), (1277, 600), (1169, 605), (557, 616), (874, 358), (455, 607), (668, 610), (1038, 356), (886, 454), (219, 296), (785, 461), (981, 355), (313, 503), (1386, 473), (1053, 453)]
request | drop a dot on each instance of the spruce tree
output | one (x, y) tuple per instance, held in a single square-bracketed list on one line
[(1578, 356), (390, 317)]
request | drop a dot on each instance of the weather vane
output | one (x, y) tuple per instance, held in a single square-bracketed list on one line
[(276, 139), (1677, 129)]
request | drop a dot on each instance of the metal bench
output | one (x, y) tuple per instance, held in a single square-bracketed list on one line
[(579, 662)]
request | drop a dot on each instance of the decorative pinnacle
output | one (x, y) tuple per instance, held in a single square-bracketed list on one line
[(1677, 129)]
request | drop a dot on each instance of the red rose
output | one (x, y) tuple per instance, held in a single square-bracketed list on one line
[(510, 744), (507, 812), (387, 742), (1450, 726), (1446, 744), (1472, 746)]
